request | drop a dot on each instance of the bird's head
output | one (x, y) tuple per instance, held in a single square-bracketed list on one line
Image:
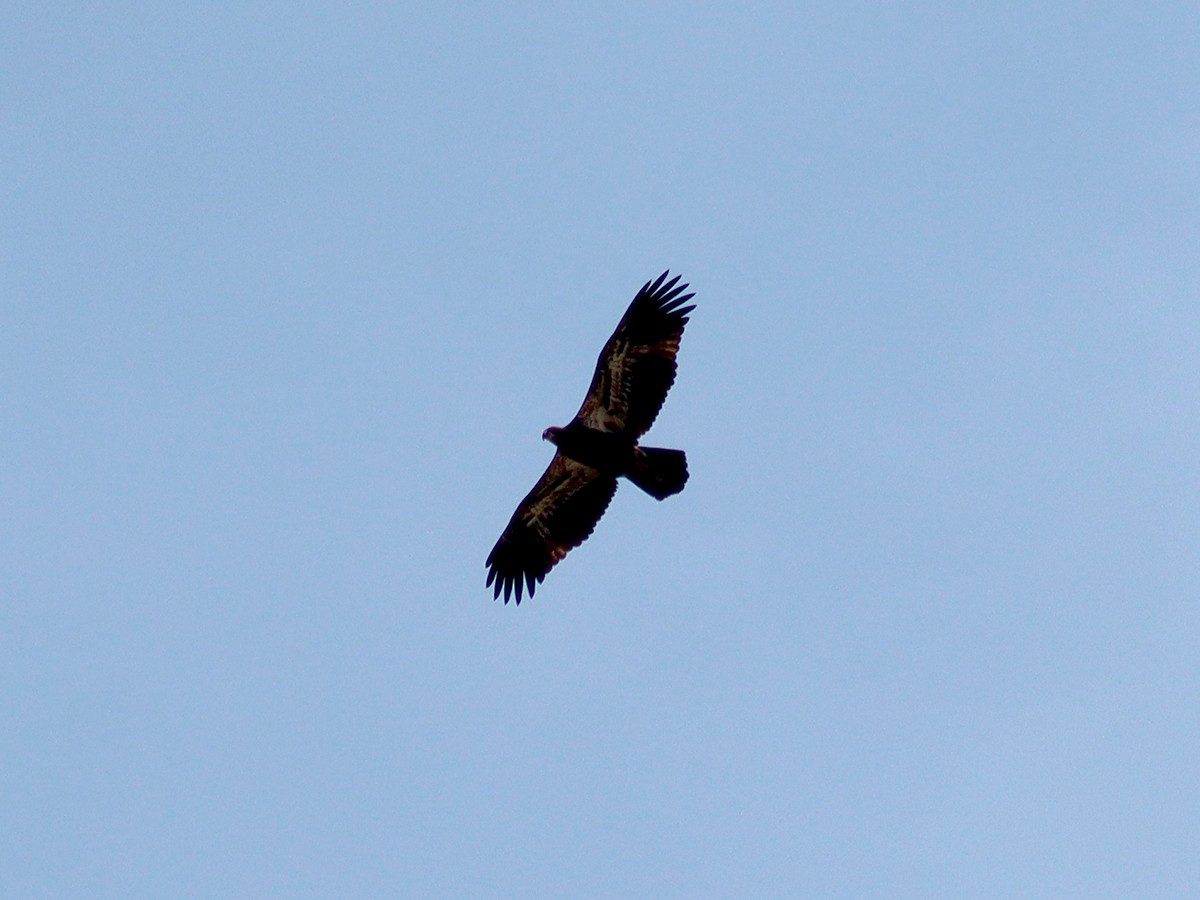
[(551, 434)]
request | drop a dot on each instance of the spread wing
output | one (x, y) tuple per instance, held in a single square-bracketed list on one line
[(558, 514), (637, 366)]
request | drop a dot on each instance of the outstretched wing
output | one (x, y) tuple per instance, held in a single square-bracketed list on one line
[(558, 514), (637, 366)]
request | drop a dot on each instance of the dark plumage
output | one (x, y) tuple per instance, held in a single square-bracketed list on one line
[(635, 371)]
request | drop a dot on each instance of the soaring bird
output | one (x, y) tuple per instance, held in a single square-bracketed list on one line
[(635, 371)]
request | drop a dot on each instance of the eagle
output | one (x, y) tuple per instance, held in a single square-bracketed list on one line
[(635, 371)]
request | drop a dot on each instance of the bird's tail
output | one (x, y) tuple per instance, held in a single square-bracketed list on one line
[(660, 473)]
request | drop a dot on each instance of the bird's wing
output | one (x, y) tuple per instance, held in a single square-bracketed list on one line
[(636, 368), (558, 514)]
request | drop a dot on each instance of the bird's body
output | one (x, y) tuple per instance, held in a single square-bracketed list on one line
[(633, 375), (609, 452)]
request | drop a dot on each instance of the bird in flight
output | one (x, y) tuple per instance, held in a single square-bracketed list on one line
[(635, 370)]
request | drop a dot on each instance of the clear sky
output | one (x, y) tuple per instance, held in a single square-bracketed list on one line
[(289, 292)]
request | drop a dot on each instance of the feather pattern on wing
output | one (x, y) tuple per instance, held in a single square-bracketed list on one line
[(636, 368), (559, 513)]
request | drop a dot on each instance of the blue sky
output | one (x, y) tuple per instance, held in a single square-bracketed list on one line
[(289, 295)]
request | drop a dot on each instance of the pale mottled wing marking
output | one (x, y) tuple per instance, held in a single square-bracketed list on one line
[(558, 514), (637, 366)]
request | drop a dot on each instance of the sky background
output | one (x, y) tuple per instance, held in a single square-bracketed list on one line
[(289, 293)]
